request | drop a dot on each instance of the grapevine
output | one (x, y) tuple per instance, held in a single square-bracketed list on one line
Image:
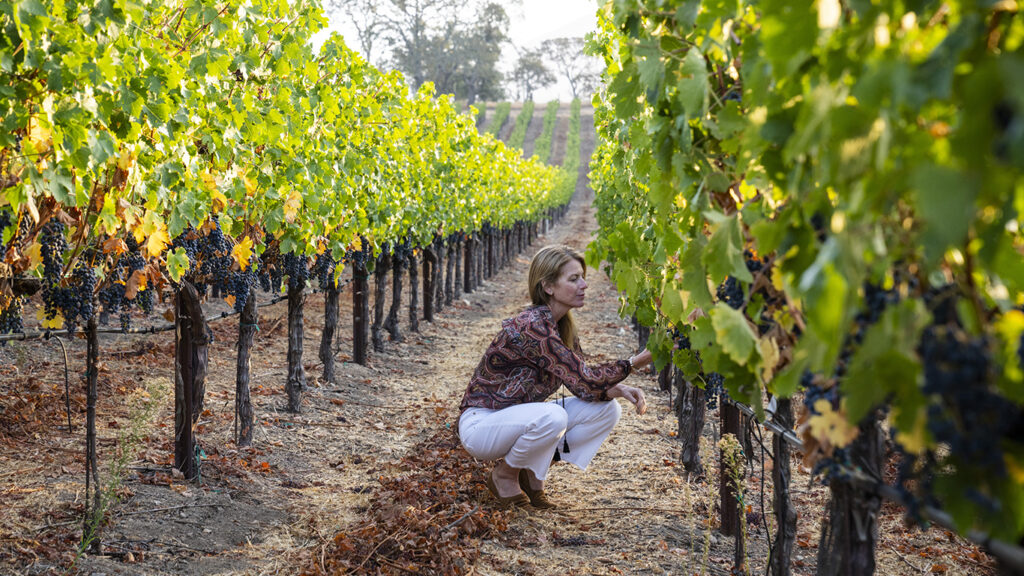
[(829, 199)]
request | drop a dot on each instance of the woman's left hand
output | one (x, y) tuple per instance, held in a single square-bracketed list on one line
[(634, 395)]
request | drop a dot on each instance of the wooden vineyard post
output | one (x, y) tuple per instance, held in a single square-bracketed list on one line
[(691, 407), (398, 262), (360, 312), (414, 293), (439, 269), (849, 534), (190, 363), (665, 379), (492, 254), (429, 265), (247, 326), (296, 372), (489, 255), (457, 255), (449, 277), (93, 499), (380, 287), (467, 266), (731, 424), (478, 255), (331, 297), (785, 515)]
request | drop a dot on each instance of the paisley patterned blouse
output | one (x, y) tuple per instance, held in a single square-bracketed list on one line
[(527, 362)]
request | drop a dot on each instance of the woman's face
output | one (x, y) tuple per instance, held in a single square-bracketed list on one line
[(567, 291)]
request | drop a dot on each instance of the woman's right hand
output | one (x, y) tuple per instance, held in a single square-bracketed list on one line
[(640, 360)]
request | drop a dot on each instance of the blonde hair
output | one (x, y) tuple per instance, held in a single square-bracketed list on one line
[(546, 267)]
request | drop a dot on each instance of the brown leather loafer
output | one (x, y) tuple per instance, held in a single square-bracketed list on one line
[(537, 497), (505, 501)]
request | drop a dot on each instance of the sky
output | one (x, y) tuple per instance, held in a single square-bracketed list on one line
[(531, 22)]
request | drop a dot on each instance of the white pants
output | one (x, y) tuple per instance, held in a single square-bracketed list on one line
[(527, 435)]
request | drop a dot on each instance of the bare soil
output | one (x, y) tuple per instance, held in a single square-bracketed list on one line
[(280, 506)]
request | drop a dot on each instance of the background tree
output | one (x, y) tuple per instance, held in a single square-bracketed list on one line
[(569, 59), (530, 73), (428, 40), (365, 17), (478, 49)]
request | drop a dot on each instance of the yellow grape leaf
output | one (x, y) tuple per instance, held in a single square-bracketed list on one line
[(114, 246), (158, 240), (292, 206), (218, 201), (830, 425), (242, 252), (769, 357), (126, 159), (914, 440), (1015, 467), (250, 186), (38, 134), (208, 227), (56, 324), (209, 180), (135, 284), (34, 254), (230, 299)]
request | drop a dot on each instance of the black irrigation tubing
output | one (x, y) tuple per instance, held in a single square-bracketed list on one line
[(47, 334), (1010, 554)]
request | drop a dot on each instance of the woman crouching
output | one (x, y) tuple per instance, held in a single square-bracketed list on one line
[(505, 415)]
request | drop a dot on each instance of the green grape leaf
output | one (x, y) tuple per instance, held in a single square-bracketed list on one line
[(724, 255), (177, 264), (693, 84), (945, 201), (695, 279), (733, 333)]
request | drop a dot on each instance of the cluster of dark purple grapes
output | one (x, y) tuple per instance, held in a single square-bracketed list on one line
[(52, 244), (323, 270), (71, 297), (681, 339), (814, 391), (269, 272), (10, 317), (714, 386), (296, 268), (215, 260), (358, 258), (241, 284), (7, 218), (112, 295), (731, 292), (968, 415)]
